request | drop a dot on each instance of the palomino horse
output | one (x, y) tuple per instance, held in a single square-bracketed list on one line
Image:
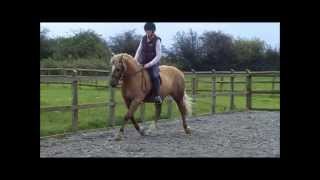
[(136, 85)]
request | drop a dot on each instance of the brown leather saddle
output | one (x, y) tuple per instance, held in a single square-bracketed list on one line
[(150, 96)]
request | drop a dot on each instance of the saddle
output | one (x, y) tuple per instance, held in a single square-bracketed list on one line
[(150, 96)]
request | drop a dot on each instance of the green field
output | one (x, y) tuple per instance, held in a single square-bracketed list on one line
[(59, 95)]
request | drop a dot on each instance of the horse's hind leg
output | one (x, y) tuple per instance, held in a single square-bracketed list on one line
[(158, 113), (154, 125)]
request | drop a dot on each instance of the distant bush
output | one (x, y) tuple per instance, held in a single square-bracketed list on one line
[(190, 50), (82, 45), (75, 63)]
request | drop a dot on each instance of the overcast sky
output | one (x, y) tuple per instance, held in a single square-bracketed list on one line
[(269, 32)]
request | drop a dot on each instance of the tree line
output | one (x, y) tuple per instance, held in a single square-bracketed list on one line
[(190, 50)]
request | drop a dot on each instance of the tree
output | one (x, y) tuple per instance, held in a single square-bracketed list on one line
[(249, 54), (186, 51), (212, 49), (272, 59), (84, 44), (45, 44), (126, 42), (218, 51)]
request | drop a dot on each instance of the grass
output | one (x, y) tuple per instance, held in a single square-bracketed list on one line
[(60, 122)]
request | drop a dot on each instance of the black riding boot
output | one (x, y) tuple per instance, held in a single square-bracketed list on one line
[(156, 86), (155, 78)]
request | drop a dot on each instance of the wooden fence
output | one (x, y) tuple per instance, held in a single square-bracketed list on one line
[(74, 76)]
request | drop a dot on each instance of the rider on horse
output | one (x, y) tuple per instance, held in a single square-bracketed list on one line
[(148, 54)]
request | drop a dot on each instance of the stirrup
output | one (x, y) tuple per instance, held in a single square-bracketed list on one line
[(158, 99)]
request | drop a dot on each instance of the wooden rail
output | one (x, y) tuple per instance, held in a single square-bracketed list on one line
[(111, 103)]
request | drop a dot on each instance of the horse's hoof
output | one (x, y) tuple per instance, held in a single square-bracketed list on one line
[(187, 130), (143, 132), (153, 127), (118, 137)]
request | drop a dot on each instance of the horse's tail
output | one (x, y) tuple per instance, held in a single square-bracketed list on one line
[(188, 103)]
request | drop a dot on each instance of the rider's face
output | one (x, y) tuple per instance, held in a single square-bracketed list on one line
[(148, 32)]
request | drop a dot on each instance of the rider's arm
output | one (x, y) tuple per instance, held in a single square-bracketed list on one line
[(138, 53)]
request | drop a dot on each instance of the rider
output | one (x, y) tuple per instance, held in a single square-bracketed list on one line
[(148, 54)]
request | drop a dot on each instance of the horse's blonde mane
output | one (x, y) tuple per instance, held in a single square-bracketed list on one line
[(125, 56)]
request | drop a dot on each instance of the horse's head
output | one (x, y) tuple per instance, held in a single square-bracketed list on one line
[(118, 68)]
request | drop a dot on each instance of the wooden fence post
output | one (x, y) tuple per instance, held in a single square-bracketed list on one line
[(221, 83), (80, 74), (74, 101), (169, 113), (273, 84), (112, 105), (193, 92), (213, 106), (48, 75), (249, 89), (232, 106), (64, 74), (96, 80), (196, 80)]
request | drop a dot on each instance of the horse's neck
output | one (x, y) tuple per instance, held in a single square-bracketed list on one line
[(130, 74), (133, 82), (132, 67)]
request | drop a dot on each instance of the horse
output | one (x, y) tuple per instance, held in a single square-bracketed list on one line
[(136, 87)]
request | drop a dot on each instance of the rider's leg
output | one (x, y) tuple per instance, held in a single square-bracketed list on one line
[(155, 79)]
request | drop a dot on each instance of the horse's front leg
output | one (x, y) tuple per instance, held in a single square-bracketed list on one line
[(121, 131), (133, 107), (126, 118)]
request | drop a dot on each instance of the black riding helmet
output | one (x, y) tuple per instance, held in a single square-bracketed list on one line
[(150, 27)]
